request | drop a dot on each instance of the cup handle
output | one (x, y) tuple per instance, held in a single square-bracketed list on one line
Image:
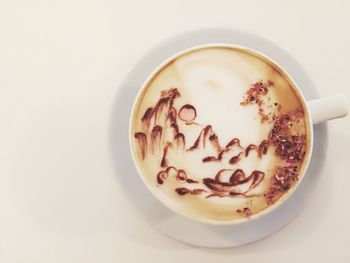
[(328, 108)]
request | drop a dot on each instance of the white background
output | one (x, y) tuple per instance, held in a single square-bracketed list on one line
[(60, 66)]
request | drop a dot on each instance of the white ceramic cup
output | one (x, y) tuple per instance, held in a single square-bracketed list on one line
[(317, 111)]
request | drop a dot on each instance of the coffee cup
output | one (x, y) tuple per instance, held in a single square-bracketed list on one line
[(222, 134)]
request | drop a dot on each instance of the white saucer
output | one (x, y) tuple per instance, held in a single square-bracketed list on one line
[(160, 217)]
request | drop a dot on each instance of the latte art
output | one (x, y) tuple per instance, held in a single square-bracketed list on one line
[(220, 134)]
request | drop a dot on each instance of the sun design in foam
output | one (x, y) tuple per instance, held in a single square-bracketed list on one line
[(160, 136)]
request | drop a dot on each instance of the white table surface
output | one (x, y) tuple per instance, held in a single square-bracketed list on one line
[(60, 66)]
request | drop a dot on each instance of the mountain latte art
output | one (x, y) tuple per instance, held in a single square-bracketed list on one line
[(220, 133)]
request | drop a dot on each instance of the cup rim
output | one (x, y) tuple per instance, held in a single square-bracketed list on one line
[(269, 208)]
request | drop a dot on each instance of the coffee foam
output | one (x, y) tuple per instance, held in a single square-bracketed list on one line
[(214, 80)]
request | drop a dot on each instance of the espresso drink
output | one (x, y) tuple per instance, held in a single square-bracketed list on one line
[(220, 134)]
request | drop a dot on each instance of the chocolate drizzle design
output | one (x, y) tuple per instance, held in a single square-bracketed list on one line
[(261, 150), (238, 184), (231, 182), (179, 174), (142, 143), (205, 135), (185, 191)]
